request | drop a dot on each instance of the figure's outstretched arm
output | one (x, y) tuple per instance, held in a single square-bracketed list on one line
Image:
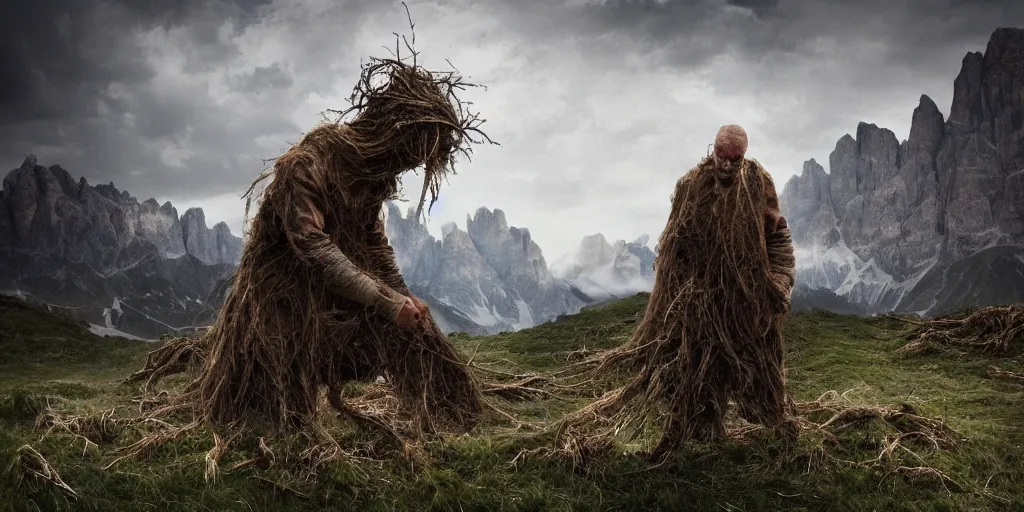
[(298, 205)]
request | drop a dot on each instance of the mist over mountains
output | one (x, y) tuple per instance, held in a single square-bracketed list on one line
[(491, 277)]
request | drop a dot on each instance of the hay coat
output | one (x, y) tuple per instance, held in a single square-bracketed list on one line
[(713, 324), (721, 296), (315, 295)]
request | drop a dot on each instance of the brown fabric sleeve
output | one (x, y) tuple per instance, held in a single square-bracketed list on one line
[(303, 219), (773, 220), (782, 264), (779, 244)]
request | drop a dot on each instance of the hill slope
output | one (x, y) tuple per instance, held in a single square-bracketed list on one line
[(44, 359)]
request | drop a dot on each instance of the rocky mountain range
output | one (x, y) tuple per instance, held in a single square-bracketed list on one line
[(492, 277), (107, 258), (140, 269), (930, 224)]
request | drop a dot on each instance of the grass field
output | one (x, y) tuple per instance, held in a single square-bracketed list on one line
[(48, 364)]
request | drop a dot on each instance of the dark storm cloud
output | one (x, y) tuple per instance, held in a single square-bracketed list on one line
[(79, 88), (263, 78), (184, 98), (59, 53), (759, 7), (689, 32)]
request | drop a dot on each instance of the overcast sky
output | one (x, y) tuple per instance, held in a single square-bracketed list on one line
[(599, 106)]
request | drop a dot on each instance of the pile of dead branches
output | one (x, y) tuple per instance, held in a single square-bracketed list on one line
[(991, 330)]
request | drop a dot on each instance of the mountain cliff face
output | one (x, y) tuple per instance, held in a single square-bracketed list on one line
[(919, 225), (90, 247), (488, 278)]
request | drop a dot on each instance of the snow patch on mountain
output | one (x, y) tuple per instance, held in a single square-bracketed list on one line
[(100, 330), (112, 314), (839, 270), (525, 316), (18, 294)]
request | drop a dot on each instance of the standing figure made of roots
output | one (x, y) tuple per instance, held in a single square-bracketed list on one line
[(318, 299), (713, 326)]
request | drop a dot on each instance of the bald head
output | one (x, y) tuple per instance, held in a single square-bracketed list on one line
[(731, 142)]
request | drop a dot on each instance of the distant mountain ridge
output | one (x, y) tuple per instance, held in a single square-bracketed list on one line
[(933, 223), (492, 277), (138, 268), (116, 262)]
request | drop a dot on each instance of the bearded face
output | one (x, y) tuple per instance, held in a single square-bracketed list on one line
[(730, 147), (729, 165)]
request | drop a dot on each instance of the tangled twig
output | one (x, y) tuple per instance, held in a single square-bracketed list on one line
[(995, 330)]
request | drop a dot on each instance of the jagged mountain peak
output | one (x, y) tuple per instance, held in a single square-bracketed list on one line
[(29, 162), (50, 211), (95, 249), (491, 276), (602, 270), (642, 240), (485, 214), (925, 103), (910, 211), (447, 228)]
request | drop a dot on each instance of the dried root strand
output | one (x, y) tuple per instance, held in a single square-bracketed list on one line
[(212, 458), (147, 444), (521, 391), (92, 429), (905, 422), (29, 467), (176, 355), (994, 371), (377, 411), (263, 459), (994, 330)]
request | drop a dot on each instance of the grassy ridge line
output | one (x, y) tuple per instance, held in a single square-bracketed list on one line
[(43, 360)]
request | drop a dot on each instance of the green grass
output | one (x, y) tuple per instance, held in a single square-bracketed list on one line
[(46, 361)]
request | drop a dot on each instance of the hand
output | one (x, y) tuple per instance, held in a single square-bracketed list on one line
[(409, 317), (773, 223), (422, 306)]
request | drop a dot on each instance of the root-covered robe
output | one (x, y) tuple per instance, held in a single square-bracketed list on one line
[(314, 300), (712, 328)]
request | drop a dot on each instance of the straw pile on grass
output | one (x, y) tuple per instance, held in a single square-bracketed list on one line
[(994, 330), (712, 328), (30, 470), (315, 294)]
